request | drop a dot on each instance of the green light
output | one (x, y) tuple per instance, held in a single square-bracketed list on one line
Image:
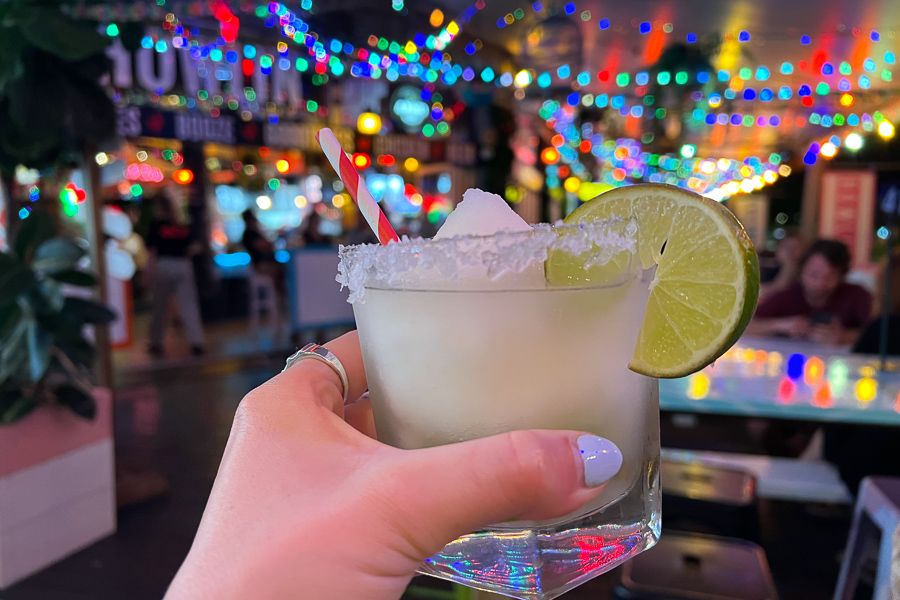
[(265, 61), (167, 154), (845, 69), (203, 95), (822, 89), (70, 210), (443, 128), (775, 158), (273, 184), (519, 14), (660, 113), (688, 150), (839, 120), (136, 190), (487, 75), (886, 75), (250, 94), (428, 130), (301, 64), (262, 10), (663, 78), (383, 44), (745, 73), (337, 68), (112, 30), (622, 79), (161, 46), (232, 104), (312, 105), (648, 100), (216, 55), (681, 77), (748, 120)]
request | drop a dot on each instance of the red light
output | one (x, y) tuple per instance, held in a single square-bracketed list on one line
[(806, 101), (563, 171), (603, 75), (409, 189), (265, 151), (786, 390), (557, 140), (247, 67), (387, 160), (320, 68), (183, 176), (822, 397), (585, 146), (361, 161)]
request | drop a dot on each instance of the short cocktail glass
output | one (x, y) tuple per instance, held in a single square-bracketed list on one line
[(462, 338)]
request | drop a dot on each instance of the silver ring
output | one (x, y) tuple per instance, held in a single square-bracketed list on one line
[(324, 355)]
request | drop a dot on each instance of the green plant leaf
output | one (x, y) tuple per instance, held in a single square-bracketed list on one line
[(15, 279), (88, 311), (78, 278), (57, 254), (62, 36), (14, 405), (34, 231), (39, 342), (77, 399)]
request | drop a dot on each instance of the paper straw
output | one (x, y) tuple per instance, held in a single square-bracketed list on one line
[(343, 166)]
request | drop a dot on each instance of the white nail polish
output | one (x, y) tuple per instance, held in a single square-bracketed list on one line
[(602, 459)]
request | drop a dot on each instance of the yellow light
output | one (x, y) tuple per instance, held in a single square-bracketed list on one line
[(452, 28), (522, 79), (708, 167), (886, 129), (282, 166), (846, 99), (747, 186), (436, 18), (828, 150), (784, 170), (571, 184), (416, 199), (749, 355), (264, 202), (758, 183), (867, 371), (715, 102), (724, 164), (410, 47), (101, 158), (183, 176), (300, 201), (770, 176), (698, 386), (339, 200), (142, 156), (813, 370), (866, 389), (746, 171), (731, 188), (282, 47), (549, 155), (368, 123), (411, 164)]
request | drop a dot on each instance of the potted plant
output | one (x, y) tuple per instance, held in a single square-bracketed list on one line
[(56, 451)]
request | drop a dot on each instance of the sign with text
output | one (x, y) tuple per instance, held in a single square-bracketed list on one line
[(847, 211)]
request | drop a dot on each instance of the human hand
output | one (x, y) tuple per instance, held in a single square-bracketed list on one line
[(830, 334), (307, 504)]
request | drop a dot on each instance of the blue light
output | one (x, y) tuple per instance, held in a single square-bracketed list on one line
[(691, 38), (827, 69), (804, 90), (570, 8), (804, 39), (744, 36), (603, 24), (762, 74), (282, 256), (710, 119), (766, 95), (24, 212), (470, 48), (232, 260), (644, 27), (875, 36), (572, 99), (563, 71), (487, 75), (749, 94), (702, 76), (795, 364), (784, 93), (810, 158), (537, 7), (883, 233), (642, 78)]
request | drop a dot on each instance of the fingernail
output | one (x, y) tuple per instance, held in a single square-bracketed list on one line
[(602, 459)]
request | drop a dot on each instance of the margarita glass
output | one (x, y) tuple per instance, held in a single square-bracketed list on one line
[(464, 338)]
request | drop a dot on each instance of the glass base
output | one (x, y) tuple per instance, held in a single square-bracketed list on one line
[(542, 562)]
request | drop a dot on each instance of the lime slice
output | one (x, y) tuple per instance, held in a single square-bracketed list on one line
[(707, 278)]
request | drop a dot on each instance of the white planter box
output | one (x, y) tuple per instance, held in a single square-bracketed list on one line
[(57, 487)]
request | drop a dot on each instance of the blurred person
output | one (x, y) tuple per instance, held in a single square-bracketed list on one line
[(820, 306), (261, 249), (787, 256), (307, 504), (312, 233), (869, 341), (171, 271)]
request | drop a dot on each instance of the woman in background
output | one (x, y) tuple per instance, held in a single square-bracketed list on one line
[(171, 271)]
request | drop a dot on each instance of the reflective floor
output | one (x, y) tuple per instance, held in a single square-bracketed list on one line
[(171, 427)]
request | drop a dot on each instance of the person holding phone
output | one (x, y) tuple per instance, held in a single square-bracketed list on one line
[(820, 306)]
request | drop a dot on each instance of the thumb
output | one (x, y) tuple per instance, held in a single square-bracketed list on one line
[(535, 474)]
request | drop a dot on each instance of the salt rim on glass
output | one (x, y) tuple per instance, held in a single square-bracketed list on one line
[(426, 264)]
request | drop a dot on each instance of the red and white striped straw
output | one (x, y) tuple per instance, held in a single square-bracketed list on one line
[(343, 166)]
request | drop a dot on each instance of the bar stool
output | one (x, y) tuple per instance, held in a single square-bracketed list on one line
[(877, 513), (263, 297), (691, 566), (709, 499)]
